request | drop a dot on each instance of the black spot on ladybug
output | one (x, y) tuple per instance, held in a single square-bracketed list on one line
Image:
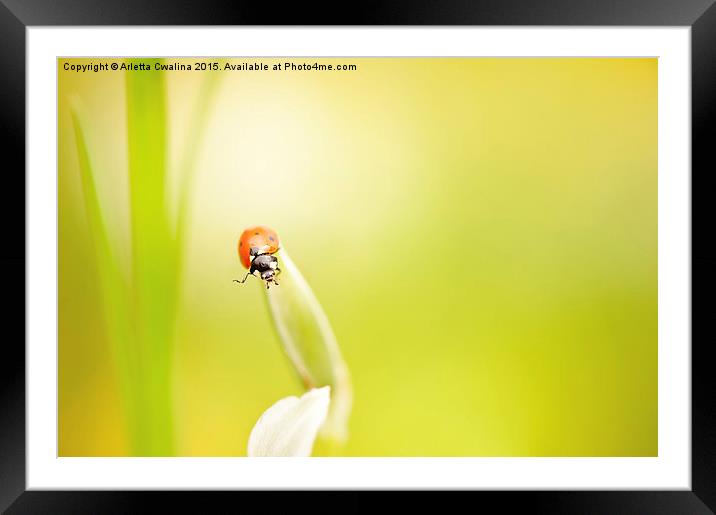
[(256, 234), (270, 238), (241, 244)]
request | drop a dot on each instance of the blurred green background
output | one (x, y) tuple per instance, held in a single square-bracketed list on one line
[(482, 234)]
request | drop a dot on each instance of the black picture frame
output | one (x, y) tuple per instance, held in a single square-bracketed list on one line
[(17, 15)]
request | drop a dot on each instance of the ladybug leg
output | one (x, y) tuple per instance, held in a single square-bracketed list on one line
[(242, 281), (278, 271)]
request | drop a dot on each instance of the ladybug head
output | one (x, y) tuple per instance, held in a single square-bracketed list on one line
[(267, 266), (268, 275)]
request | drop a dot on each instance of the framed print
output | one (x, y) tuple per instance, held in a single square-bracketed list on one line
[(443, 249)]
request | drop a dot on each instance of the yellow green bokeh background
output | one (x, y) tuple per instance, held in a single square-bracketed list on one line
[(482, 234)]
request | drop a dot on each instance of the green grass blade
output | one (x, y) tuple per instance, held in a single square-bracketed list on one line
[(187, 166), (112, 284), (153, 256)]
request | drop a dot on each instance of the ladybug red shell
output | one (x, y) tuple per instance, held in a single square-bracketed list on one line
[(255, 241)]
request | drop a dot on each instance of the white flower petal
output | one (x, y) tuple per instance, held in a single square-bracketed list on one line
[(289, 427)]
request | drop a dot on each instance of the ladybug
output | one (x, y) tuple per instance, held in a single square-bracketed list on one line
[(256, 248)]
